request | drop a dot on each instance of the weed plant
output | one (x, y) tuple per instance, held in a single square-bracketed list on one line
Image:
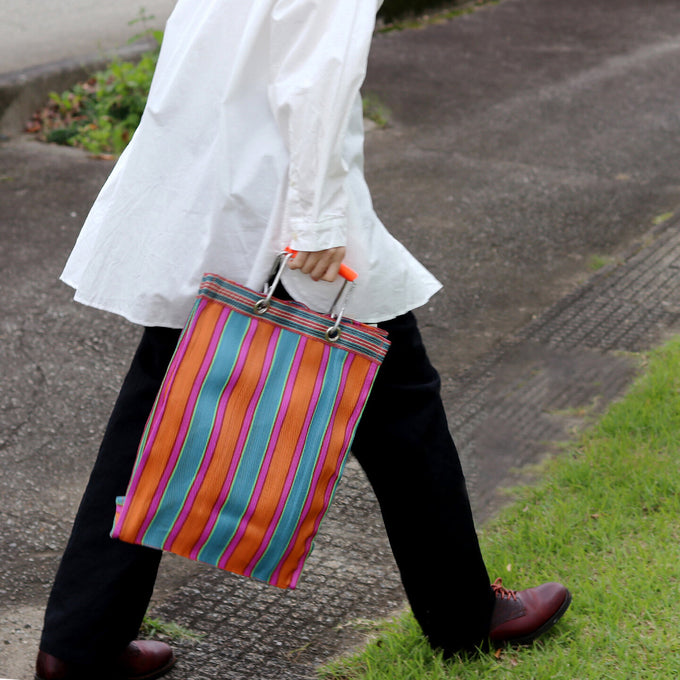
[(164, 630), (396, 10), (604, 521), (101, 114), (404, 15)]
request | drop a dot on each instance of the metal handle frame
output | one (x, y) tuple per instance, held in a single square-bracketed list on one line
[(340, 303)]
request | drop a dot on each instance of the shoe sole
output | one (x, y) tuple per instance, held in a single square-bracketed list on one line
[(535, 634)]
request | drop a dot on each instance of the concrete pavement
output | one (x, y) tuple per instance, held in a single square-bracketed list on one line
[(34, 32), (525, 139)]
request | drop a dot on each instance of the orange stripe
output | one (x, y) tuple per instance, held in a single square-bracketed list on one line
[(226, 443), (172, 417), (353, 387), (281, 460)]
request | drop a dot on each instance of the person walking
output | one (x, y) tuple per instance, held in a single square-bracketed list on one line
[(251, 141)]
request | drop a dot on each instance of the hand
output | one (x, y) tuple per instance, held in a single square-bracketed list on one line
[(320, 265)]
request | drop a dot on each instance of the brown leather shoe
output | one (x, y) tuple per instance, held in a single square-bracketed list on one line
[(520, 617), (141, 660)]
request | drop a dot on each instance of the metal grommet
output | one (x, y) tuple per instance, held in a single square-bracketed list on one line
[(261, 306), (333, 334)]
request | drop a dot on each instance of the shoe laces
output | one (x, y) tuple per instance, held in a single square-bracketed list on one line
[(501, 591)]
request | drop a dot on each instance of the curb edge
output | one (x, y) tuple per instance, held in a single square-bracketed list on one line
[(23, 92)]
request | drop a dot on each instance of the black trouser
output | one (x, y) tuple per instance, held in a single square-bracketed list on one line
[(103, 586)]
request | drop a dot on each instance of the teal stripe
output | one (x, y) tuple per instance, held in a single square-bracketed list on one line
[(202, 423), (254, 450), (301, 486)]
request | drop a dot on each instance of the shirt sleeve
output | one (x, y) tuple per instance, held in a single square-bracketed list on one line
[(319, 52)]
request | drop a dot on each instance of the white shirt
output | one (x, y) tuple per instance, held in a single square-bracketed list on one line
[(252, 139)]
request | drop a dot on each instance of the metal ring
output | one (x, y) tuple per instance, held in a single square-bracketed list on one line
[(333, 334), (261, 306)]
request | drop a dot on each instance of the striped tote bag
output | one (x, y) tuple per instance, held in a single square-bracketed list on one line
[(249, 433)]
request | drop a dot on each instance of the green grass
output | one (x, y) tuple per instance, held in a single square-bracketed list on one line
[(434, 17), (604, 521), (661, 219), (597, 262), (157, 628), (101, 114), (376, 110)]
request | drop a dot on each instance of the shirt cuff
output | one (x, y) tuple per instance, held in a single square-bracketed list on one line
[(330, 232)]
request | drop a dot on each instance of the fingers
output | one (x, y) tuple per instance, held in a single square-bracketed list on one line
[(323, 265)]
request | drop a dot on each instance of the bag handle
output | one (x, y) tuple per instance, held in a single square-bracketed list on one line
[(333, 332), (344, 271)]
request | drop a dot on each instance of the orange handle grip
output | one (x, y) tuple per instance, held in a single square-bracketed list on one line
[(344, 271)]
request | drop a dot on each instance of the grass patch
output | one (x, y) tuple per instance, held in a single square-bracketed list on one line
[(604, 520), (597, 262), (375, 110), (436, 17), (165, 630), (101, 114), (664, 217)]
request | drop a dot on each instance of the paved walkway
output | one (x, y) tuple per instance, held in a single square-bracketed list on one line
[(525, 139)]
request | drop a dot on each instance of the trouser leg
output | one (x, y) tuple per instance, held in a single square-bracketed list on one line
[(404, 445), (103, 586)]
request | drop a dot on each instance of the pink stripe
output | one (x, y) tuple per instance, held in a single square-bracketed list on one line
[(323, 454), (240, 444), (186, 422), (266, 464), (214, 436), (356, 414), (157, 416), (292, 471)]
